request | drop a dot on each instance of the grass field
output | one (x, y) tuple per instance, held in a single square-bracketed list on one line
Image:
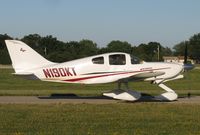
[(111, 119), (13, 85)]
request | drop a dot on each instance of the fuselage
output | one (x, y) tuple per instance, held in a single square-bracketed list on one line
[(104, 68)]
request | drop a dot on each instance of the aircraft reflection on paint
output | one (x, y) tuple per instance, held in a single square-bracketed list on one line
[(104, 68)]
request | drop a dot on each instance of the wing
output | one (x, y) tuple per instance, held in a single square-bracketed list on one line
[(143, 76)]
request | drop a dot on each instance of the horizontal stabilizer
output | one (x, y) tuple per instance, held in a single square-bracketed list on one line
[(23, 73), (27, 75)]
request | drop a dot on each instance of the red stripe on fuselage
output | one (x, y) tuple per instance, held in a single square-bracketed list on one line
[(98, 76)]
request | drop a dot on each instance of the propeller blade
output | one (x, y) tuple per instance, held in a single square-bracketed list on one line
[(188, 67), (186, 54)]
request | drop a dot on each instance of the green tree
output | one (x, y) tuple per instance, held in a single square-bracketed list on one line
[(48, 46), (166, 51), (180, 48), (103, 50), (33, 41), (88, 47), (193, 45), (119, 46), (140, 52), (149, 52), (152, 50), (4, 56)]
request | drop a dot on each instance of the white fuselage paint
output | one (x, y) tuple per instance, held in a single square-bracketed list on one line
[(86, 72)]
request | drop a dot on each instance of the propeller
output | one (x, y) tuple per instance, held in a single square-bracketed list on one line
[(186, 54), (187, 66)]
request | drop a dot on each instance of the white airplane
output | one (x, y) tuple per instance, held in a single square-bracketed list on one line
[(104, 68)]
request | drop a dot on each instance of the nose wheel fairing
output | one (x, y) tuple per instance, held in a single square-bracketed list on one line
[(167, 96), (170, 95)]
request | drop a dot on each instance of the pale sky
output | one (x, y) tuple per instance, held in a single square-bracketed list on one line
[(135, 21)]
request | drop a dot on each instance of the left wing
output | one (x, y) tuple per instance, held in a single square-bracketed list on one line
[(142, 76)]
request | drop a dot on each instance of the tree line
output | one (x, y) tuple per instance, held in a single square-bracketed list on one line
[(58, 51)]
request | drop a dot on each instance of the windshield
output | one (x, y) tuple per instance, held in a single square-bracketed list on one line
[(135, 60)]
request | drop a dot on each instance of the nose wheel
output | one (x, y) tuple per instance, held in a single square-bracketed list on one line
[(170, 95)]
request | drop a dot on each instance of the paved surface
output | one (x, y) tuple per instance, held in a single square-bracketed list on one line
[(186, 100), (54, 100), (82, 100), (5, 66)]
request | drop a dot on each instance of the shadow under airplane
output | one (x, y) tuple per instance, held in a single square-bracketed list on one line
[(144, 98)]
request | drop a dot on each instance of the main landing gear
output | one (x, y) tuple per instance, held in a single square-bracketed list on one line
[(126, 95), (131, 95)]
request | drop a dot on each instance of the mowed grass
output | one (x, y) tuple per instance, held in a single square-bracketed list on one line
[(111, 119), (97, 119), (14, 85)]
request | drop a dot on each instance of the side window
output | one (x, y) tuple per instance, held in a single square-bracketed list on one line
[(117, 59), (98, 60), (135, 60)]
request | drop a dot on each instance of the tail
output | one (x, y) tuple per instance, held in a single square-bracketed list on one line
[(23, 57)]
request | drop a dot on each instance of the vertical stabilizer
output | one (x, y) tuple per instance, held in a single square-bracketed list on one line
[(23, 57)]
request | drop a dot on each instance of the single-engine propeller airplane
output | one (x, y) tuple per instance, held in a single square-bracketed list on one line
[(104, 68)]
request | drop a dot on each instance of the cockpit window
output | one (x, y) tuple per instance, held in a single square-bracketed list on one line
[(135, 60), (117, 59), (98, 60)]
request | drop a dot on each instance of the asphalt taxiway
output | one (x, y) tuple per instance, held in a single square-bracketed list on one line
[(73, 99)]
